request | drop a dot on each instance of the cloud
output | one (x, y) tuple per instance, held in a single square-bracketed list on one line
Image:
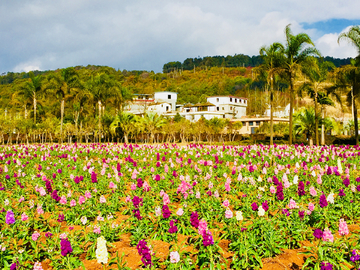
[(144, 34)]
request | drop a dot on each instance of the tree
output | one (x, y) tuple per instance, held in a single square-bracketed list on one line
[(317, 73), (297, 52), (351, 73), (153, 122), (31, 89), (273, 57), (64, 82), (124, 123), (305, 123)]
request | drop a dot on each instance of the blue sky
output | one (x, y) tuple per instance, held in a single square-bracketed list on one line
[(330, 26), (144, 35)]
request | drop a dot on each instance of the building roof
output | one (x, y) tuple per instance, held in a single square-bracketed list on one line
[(228, 96), (206, 104)]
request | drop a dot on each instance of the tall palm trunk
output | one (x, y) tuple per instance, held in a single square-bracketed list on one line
[(62, 119), (316, 118), (271, 112), (355, 116), (99, 121), (35, 102), (323, 126), (291, 113)]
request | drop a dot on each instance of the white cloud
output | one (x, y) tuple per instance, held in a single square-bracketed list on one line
[(146, 34)]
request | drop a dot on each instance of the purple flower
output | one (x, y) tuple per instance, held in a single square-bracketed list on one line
[(207, 239), (301, 214), (55, 196), (144, 252), (254, 206), (137, 201), (137, 214), (265, 206), (48, 186), (13, 266), (341, 192), (326, 266), (65, 247), (9, 218), (301, 188), (94, 177), (194, 219), (286, 212), (166, 211), (323, 202), (173, 228), (140, 183), (61, 218), (346, 182), (318, 233), (280, 192)]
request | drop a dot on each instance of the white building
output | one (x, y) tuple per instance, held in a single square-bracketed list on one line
[(281, 112), (164, 103)]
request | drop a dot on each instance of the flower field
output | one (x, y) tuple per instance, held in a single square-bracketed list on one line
[(114, 206)]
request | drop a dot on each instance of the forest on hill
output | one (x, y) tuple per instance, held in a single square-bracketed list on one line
[(238, 60)]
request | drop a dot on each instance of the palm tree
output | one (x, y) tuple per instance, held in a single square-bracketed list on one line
[(351, 73), (125, 123), (153, 122), (297, 52), (273, 57), (31, 89), (64, 83), (317, 73), (305, 123)]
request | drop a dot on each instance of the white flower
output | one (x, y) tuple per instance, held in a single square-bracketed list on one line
[(239, 215), (296, 180), (101, 250), (83, 220), (261, 211), (330, 198), (259, 179)]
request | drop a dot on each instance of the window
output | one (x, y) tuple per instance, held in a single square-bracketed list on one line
[(230, 99), (235, 100), (169, 96), (167, 108), (217, 108), (223, 108), (217, 100), (251, 123), (162, 105), (253, 130), (224, 116), (230, 108), (258, 123)]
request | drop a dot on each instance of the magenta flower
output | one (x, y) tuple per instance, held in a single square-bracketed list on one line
[(10, 218), (65, 247)]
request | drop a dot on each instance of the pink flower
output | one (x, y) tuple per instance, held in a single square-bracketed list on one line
[(226, 203), (97, 230), (180, 212), (102, 199), (272, 190), (318, 180), (21, 199), (311, 207), (42, 191), (292, 204), (202, 227), (87, 195), (63, 200), (63, 236), (39, 210), (128, 199), (327, 236), (174, 257), (228, 213), (313, 191), (37, 266), (166, 199), (343, 228), (35, 236), (133, 186), (112, 185), (81, 200), (73, 203), (197, 196), (24, 217)]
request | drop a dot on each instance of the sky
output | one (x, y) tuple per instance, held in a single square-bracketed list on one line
[(146, 34)]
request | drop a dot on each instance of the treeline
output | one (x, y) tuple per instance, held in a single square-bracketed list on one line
[(238, 60)]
